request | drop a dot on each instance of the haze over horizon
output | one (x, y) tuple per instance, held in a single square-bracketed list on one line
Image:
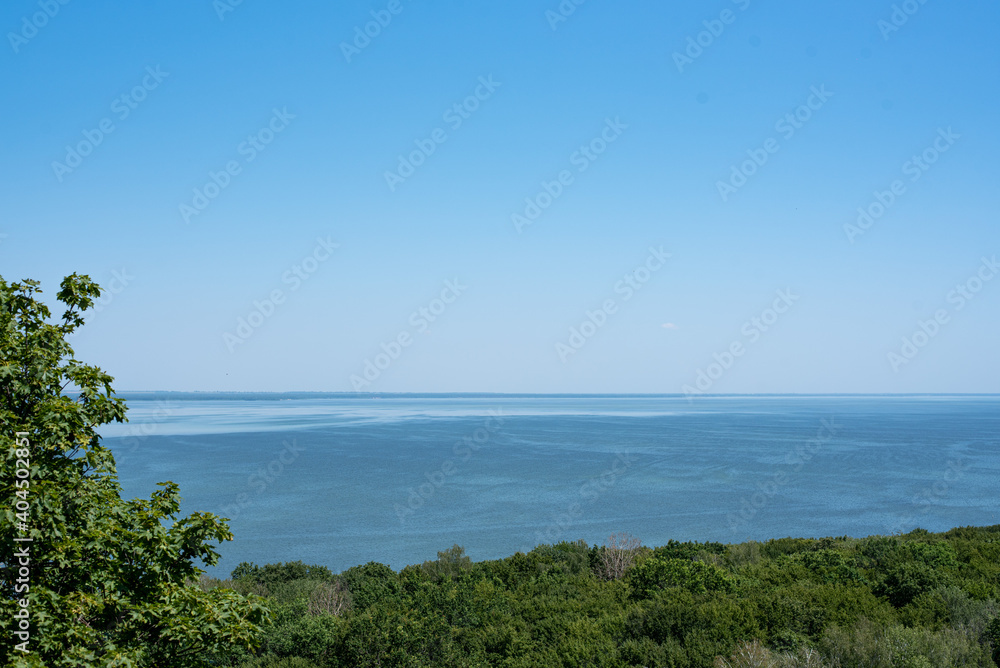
[(558, 394), (734, 198)]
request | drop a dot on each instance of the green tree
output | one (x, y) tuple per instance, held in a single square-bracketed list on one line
[(111, 584), (449, 563), (908, 580), (371, 584), (654, 574), (993, 637)]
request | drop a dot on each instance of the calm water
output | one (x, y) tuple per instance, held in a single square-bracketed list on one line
[(341, 480)]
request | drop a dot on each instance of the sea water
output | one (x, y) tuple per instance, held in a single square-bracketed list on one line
[(342, 479)]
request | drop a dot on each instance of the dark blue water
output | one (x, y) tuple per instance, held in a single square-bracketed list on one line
[(341, 480)]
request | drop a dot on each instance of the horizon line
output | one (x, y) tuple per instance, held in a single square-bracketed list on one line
[(572, 394)]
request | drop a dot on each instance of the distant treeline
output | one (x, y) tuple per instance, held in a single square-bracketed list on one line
[(916, 600)]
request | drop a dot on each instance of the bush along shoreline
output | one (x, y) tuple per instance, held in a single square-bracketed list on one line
[(915, 600)]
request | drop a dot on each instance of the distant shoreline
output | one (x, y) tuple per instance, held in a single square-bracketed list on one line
[(226, 394)]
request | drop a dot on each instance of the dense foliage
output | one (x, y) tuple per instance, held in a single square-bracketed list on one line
[(88, 578), (917, 600)]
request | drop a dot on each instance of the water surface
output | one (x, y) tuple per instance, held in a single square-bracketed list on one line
[(341, 480)]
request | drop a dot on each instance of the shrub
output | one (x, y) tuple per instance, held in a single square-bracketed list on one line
[(936, 555), (449, 563), (371, 584), (830, 567), (878, 552), (778, 546), (654, 574), (870, 646), (280, 573), (677, 550), (743, 554), (573, 558), (992, 636), (907, 581), (275, 662)]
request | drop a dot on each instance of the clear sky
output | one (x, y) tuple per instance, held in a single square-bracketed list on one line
[(674, 170)]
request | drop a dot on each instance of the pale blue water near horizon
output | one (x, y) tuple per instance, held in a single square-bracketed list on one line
[(341, 479)]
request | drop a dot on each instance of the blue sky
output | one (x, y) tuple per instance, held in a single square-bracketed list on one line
[(622, 145)]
